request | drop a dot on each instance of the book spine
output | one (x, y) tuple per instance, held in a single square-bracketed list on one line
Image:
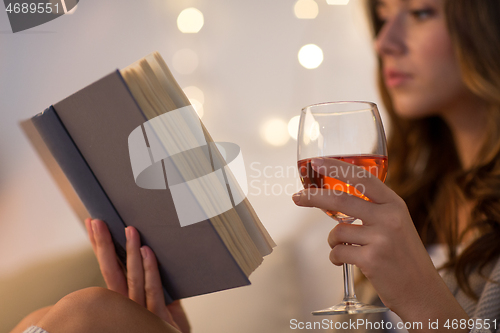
[(81, 177)]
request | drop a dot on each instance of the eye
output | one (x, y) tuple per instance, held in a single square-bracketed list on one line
[(422, 14)]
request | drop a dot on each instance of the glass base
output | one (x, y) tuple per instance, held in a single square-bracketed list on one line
[(352, 306)]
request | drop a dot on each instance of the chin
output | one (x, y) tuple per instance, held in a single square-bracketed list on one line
[(411, 107)]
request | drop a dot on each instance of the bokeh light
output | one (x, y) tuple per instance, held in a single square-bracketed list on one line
[(310, 56), (293, 127), (194, 92), (190, 20), (306, 9), (275, 132), (185, 61)]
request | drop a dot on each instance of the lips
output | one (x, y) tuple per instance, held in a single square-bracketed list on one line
[(394, 78)]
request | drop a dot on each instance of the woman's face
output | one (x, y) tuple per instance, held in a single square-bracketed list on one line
[(419, 66)]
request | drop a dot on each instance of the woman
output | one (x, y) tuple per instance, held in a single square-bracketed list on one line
[(440, 80)]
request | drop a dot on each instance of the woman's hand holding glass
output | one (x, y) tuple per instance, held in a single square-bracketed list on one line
[(389, 251), (141, 283)]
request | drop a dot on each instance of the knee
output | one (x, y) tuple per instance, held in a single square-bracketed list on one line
[(100, 310), (36, 315), (77, 311), (88, 299)]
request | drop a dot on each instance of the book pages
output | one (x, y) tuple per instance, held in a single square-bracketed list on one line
[(175, 138)]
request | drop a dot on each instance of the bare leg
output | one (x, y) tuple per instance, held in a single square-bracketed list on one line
[(101, 310)]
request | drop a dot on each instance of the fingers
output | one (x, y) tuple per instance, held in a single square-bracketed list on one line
[(349, 233), (346, 254), (364, 181), (105, 252), (135, 270), (357, 237), (155, 302), (335, 201), (142, 283)]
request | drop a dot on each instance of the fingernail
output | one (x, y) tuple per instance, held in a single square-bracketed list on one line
[(296, 197), (317, 161), (144, 253), (94, 226), (126, 233)]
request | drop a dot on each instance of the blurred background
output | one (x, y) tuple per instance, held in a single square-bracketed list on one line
[(248, 68)]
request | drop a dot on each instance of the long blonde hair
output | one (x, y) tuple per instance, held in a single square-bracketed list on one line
[(424, 167)]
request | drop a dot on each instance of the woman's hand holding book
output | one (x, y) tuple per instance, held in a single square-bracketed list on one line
[(142, 282)]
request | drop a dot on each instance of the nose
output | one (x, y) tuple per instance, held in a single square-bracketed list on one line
[(391, 38)]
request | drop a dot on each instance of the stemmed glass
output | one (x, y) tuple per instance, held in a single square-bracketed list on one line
[(351, 132)]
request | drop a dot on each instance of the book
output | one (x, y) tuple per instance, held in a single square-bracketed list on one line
[(136, 154)]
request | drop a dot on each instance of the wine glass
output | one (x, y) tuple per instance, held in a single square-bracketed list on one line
[(351, 132)]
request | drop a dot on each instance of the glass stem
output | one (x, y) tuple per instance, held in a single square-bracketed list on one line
[(349, 294)]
